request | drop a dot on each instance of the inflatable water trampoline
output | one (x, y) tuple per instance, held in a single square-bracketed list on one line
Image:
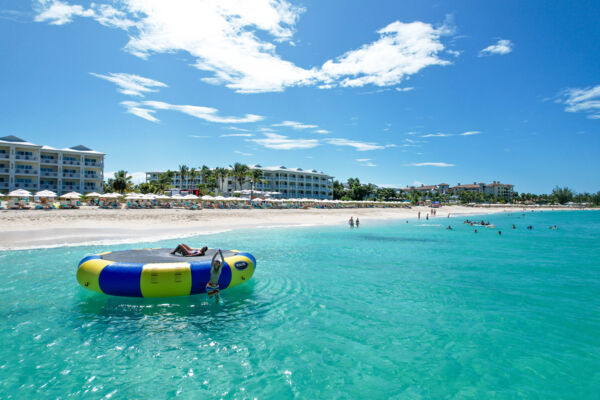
[(157, 273)]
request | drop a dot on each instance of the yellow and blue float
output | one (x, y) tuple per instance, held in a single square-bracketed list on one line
[(157, 273)]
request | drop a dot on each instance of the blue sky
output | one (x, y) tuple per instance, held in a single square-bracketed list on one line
[(394, 93)]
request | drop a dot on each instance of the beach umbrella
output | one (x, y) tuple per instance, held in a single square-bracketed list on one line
[(177, 196), (132, 196), (93, 194), (20, 193), (71, 195), (190, 197), (111, 195), (46, 193), (207, 197)]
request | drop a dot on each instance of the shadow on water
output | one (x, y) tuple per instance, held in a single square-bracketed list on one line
[(242, 302)]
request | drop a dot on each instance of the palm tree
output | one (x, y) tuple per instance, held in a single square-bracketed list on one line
[(183, 171), (121, 182), (256, 176), (240, 172), (220, 174), (193, 174)]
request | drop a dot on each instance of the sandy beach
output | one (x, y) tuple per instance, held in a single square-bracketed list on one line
[(27, 229)]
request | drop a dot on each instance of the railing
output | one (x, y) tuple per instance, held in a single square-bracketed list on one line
[(21, 171), (70, 175), (92, 164), (49, 161), (25, 157), (3, 170), (4, 155), (48, 187), (23, 185), (3, 184), (69, 162), (91, 176), (70, 188), (48, 173)]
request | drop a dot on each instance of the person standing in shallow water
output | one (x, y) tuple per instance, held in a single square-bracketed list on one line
[(351, 222), (216, 266)]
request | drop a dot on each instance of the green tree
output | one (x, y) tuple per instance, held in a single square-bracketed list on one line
[(256, 176), (121, 182), (220, 175), (562, 195), (193, 174), (240, 172), (338, 190), (183, 172)]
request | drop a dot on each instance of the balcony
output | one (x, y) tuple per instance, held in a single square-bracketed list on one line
[(48, 187), (48, 161), (3, 185), (70, 188), (3, 170), (21, 171), (70, 175), (94, 164), (4, 156), (91, 176), (51, 174), (71, 162), (25, 157), (24, 185)]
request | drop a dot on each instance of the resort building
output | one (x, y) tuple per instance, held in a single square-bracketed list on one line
[(33, 167), (475, 187), (499, 190), (187, 184), (290, 182)]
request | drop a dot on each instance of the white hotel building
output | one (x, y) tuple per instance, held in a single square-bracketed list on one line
[(290, 182), (32, 167)]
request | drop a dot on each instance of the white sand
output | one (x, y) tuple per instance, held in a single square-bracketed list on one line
[(27, 229)]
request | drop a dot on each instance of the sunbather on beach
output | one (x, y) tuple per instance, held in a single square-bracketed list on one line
[(186, 251)]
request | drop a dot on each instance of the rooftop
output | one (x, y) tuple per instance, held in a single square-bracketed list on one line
[(18, 141)]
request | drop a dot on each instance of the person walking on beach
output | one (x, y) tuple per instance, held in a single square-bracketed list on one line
[(357, 222), (216, 266), (351, 222)]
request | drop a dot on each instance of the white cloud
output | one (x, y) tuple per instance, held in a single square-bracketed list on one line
[(470, 133), (323, 131), (454, 53), (296, 125), (135, 109), (235, 128), (131, 85), (501, 47), (431, 164), (368, 164), (280, 142), (405, 89), (206, 113), (236, 42), (359, 146), (57, 12), (237, 135), (199, 136), (363, 159), (403, 49), (586, 100), (437, 135), (242, 153)]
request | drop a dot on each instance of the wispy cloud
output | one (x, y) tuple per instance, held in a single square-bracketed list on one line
[(235, 128), (470, 133), (323, 131), (206, 113), (368, 164), (296, 125), (363, 159), (365, 162), (199, 136), (436, 135), (359, 146), (135, 109), (585, 100), (130, 84), (237, 135), (405, 89), (236, 42), (431, 164), (501, 47), (281, 142), (242, 153)]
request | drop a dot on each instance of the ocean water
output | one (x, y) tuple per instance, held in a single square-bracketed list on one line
[(390, 310)]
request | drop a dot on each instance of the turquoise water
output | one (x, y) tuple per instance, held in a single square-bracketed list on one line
[(386, 311)]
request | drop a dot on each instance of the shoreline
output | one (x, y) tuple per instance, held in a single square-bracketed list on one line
[(92, 226)]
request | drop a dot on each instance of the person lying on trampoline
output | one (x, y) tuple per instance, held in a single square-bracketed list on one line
[(186, 251)]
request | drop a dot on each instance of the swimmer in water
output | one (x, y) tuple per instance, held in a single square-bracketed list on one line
[(449, 228), (499, 232), (216, 266), (351, 222), (357, 222), (514, 227), (475, 231)]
